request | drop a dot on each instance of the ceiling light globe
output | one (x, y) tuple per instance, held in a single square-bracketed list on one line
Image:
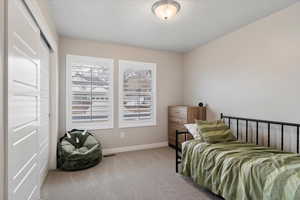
[(165, 9)]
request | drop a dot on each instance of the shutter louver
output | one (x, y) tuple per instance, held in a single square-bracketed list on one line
[(137, 94), (91, 94)]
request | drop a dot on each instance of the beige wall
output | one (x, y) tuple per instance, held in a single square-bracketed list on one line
[(1, 99), (252, 72), (169, 87)]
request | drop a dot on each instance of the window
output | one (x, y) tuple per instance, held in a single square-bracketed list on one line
[(89, 92), (137, 93)]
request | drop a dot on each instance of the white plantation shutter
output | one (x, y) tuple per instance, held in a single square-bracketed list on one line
[(90, 92), (137, 93)]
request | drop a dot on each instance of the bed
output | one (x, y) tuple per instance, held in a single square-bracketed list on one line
[(240, 170)]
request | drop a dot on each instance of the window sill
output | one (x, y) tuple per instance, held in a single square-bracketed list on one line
[(89, 127), (130, 125)]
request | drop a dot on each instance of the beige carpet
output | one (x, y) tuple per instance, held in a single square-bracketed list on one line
[(140, 175)]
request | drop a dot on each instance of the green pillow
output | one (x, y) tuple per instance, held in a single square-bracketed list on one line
[(212, 123), (214, 132), (201, 123)]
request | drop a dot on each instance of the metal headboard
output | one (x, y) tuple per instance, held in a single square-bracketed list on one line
[(258, 121), (247, 120)]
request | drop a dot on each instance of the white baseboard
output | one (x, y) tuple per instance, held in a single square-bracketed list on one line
[(134, 148)]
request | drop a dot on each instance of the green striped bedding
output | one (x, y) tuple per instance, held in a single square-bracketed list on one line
[(239, 171)]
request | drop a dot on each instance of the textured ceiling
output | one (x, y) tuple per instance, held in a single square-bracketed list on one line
[(132, 22)]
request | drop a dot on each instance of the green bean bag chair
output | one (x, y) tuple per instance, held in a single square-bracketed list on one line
[(78, 149)]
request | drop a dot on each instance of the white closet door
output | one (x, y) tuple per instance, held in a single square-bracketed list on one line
[(24, 46), (44, 113)]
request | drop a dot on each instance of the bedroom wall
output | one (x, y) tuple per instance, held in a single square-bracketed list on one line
[(252, 72), (169, 87), (1, 99)]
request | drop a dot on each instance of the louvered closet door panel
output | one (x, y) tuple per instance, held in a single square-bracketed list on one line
[(23, 103), (44, 113)]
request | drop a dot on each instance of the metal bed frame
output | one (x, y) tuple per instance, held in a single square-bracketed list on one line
[(247, 120)]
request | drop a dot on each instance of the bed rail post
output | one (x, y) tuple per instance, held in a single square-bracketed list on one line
[(176, 149), (269, 132), (257, 132), (298, 139), (282, 137), (246, 130), (237, 129)]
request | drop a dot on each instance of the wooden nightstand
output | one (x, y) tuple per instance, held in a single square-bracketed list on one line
[(180, 115)]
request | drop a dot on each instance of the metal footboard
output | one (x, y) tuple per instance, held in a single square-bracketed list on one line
[(178, 147)]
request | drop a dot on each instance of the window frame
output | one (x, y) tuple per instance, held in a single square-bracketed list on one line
[(123, 64), (92, 61)]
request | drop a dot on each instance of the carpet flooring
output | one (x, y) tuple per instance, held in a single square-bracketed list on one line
[(139, 175)]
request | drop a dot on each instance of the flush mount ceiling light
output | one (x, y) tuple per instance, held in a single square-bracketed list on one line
[(165, 9)]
